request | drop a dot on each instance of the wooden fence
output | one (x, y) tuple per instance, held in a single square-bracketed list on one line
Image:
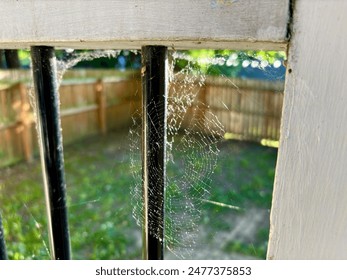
[(88, 107), (16, 120), (248, 110)]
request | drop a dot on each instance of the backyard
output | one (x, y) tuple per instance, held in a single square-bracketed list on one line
[(233, 219), (218, 192)]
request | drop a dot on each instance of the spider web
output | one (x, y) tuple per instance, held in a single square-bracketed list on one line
[(191, 157)]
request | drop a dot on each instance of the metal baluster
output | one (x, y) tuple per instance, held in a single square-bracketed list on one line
[(51, 149), (154, 84), (3, 253)]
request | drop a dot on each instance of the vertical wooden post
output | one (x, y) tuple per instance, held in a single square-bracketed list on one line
[(101, 101), (266, 115), (239, 113), (251, 135), (26, 122), (51, 149), (309, 214), (154, 83), (245, 117), (202, 106)]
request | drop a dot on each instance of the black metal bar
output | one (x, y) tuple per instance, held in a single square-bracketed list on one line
[(154, 85), (51, 147), (3, 253)]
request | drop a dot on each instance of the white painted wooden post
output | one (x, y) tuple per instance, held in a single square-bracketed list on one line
[(309, 212)]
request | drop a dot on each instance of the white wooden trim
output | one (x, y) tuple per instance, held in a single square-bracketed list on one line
[(309, 212), (243, 24)]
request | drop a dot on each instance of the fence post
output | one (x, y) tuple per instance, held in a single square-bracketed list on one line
[(202, 105), (51, 148), (154, 84), (25, 122), (101, 101)]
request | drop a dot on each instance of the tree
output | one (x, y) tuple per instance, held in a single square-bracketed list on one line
[(228, 63)]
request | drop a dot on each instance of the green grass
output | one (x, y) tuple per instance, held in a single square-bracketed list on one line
[(100, 213), (256, 249), (245, 175)]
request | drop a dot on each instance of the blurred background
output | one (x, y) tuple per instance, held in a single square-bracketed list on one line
[(100, 97)]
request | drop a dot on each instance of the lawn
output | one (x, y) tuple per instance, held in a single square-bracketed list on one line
[(233, 219)]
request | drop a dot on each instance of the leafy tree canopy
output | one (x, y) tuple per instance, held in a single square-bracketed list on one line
[(212, 62), (228, 62)]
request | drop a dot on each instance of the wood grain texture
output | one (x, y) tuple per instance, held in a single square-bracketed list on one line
[(242, 24), (309, 212)]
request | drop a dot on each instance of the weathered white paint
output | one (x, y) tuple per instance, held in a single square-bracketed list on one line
[(242, 24), (309, 212)]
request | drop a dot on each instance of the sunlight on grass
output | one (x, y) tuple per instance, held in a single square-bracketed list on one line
[(269, 143)]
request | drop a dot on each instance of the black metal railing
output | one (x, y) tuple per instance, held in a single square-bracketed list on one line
[(51, 149), (3, 254), (154, 84)]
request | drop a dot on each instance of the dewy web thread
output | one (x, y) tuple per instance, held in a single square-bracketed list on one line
[(193, 133)]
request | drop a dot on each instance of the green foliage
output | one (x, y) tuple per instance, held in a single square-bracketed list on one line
[(24, 57), (224, 62), (204, 61), (269, 56)]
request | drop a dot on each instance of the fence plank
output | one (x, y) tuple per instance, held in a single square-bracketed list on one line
[(26, 123), (246, 108)]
